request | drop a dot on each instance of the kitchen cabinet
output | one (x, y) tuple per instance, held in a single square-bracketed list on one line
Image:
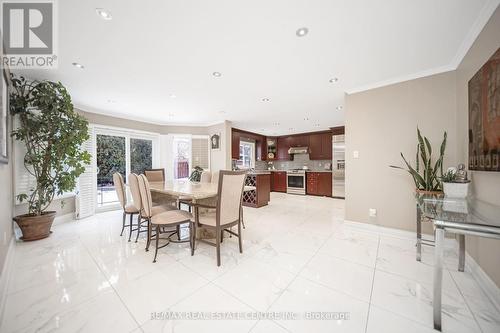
[(319, 183), (260, 144), (283, 146), (278, 181), (299, 141), (272, 148), (261, 195), (320, 146), (235, 145)]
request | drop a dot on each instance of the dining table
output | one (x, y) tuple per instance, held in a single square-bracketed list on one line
[(196, 192), (460, 216)]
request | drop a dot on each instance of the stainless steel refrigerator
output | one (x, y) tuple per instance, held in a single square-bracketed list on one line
[(338, 166)]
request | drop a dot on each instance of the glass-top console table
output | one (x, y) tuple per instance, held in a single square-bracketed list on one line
[(459, 216)]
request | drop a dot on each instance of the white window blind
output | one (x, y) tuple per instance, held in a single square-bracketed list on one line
[(86, 189), (24, 182), (200, 151)]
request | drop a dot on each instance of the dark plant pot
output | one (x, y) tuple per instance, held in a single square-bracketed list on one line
[(35, 226)]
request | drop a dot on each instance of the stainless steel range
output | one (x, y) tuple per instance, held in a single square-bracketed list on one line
[(296, 181)]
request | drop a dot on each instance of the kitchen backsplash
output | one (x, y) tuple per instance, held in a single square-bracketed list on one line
[(298, 162)]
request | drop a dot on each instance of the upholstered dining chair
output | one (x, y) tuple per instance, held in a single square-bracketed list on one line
[(225, 214), (155, 175), (160, 222), (133, 181), (129, 209), (206, 177)]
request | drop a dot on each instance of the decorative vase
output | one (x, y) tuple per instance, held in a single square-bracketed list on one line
[(35, 227), (456, 190)]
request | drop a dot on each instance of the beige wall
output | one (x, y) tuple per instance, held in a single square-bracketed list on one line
[(380, 124), (101, 119), (485, 185), (221, 159)]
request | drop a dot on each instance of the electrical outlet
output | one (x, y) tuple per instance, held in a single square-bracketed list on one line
[(372, 212), (355, 154)]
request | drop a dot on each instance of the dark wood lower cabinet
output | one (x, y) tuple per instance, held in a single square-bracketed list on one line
[(261, 195), (278, 181), (319, 183)]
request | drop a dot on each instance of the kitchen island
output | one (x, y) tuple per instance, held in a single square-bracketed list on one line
[(260, 196)]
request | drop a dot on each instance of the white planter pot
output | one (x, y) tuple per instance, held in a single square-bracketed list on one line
[(456, 190)]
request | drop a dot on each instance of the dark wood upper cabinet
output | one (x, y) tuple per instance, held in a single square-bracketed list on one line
[(299, 140), (235, 145), (320, 146), (326, 146), (283, 146)]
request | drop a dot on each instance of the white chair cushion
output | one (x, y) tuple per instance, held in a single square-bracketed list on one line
[(171, 217)]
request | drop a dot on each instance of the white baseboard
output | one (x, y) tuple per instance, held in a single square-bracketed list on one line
[(64, 218), (5, 277), (489, 287), (483, 280)]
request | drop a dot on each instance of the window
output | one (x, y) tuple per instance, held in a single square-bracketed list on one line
[(182, 156), (190, 151), (247, 155)]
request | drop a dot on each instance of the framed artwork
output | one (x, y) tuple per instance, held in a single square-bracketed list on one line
[(215, 141), (484, 116)]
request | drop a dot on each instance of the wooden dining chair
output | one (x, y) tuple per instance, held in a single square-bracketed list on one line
[(129, 209), (155, 175), (160, 222), (225, 214)]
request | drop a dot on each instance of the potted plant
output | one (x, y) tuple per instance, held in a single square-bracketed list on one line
[(52, 133), (425, 173), (454, 186), (196, 174)]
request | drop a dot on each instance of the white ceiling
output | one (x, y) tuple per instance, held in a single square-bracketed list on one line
[(152, 49)]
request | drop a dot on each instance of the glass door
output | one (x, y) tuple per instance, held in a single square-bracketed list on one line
[(111, 156), (120, 151), (182, 157)]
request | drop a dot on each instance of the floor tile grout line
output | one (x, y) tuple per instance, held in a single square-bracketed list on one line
[(112, 287), (297, 274), (466, 302), (373, 283)]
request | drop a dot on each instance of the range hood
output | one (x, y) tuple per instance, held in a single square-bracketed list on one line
[(298, 150)]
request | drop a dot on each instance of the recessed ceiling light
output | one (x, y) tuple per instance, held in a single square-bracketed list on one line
[(290, 129), (173, 96), (170, 114), (306, 119), (302, 32), (111, 101), (217, 74), (316, 125), (77, 65), (340, 107), (265, 99), (333, 80), (276, 124), (104, 14)]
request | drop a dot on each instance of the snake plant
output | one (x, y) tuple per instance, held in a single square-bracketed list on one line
[(425, 173)]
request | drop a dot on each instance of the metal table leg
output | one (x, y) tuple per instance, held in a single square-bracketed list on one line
[(438, 276), (461, 253), (419, 234)]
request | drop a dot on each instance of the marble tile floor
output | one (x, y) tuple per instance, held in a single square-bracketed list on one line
[(300, 261)]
